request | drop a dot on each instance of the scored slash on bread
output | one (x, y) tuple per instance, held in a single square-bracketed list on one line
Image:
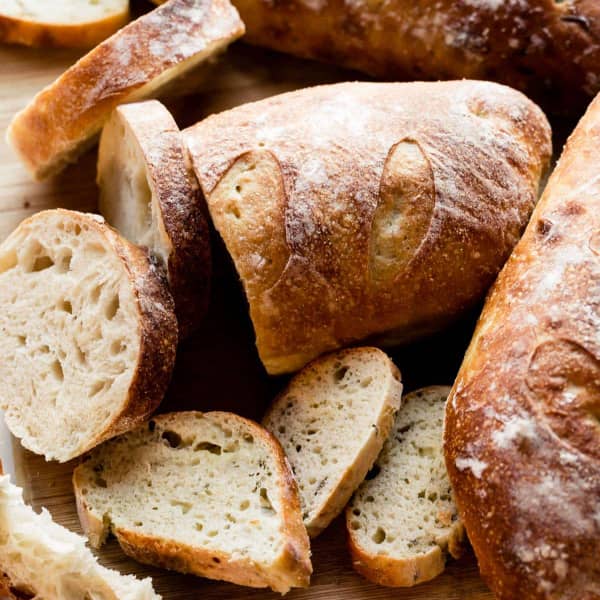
[(149, 193), (43, 559), (332, 421), (80, 24), (87, 333), (402, 520), (204, 493), (63, 120)]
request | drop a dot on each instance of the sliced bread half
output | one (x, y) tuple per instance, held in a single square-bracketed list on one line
[(204, 493), (402, 520), (64, 119), (87, 333), (150, 194), (44, 560), (332, 421), (66, 23)]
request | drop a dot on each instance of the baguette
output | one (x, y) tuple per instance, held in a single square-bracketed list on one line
[(87, 333), (149, 193), (522, 436), (548, 49), (402, 521), (64, 23), (332, 421), (209, 494), (64, 119), (358, 209)]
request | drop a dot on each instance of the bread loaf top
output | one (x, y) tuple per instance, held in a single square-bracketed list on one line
[(360, 208), (522, 434)]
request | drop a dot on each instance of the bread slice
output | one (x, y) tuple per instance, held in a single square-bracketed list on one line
[(87, 333), (402, 520), (204, 493), (63, 120), (150, 194), (332, 421), (43, 559), (66, 23)]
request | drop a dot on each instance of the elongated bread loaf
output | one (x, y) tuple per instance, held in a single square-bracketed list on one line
[(87, 333), (522, 435), (362, 208), (204, 493), (64, 119), (546, 48), (149, 193)]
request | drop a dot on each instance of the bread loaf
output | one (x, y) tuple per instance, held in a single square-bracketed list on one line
[(64, 119), (361, 208), (87, 333), (522, 435), (210, 494), (332, 421), (548, 49), (150, 195), (67, 23)]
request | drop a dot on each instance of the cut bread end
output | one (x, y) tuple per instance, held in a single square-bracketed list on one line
[(402, 521), (332, 421)]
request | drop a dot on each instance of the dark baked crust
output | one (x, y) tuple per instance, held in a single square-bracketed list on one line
[(522, 438), (548, 49)]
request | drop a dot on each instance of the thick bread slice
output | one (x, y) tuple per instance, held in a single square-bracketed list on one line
[(402, 520), (149, 193), (67, 23), (87, 333), (332, 421), (63, 120), (43, 559), (210, 494)]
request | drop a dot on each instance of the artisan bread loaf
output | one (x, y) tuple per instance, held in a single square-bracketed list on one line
[(67, 23), (209, 494), (44, 560), (402, 520), (150, 195), (548, 49), (367, 208), (522, 435), (332, 421), (87, 333), (63, 120)]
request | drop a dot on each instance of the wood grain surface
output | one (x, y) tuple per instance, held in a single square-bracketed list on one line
[(218, 367)]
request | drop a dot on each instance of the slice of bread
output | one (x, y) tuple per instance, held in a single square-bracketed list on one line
[(87, 333), (65, 23), (150, 194), (43, 559), (332, 421), (402, 520), (204, 493), (64, 119)]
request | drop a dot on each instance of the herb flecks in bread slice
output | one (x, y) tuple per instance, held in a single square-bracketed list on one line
[(204, 493), (43, 559), (87, 333), (332, 421), (402, 520)]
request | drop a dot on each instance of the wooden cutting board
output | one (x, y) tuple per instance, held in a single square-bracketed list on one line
[(217, 368)]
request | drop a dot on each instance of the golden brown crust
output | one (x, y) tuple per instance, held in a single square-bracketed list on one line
[(64, 119), (522, 438), (548, 49), (296, 184)]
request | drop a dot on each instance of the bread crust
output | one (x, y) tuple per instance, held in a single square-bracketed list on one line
[(292, 568), (522, 439), (63, 120), (302, 188), (549, 50), (181, 221)]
